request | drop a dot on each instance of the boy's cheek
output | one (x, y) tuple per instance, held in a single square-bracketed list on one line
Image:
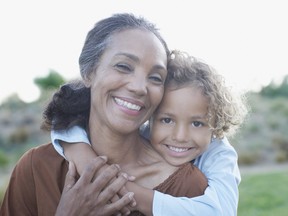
[(159, 133)]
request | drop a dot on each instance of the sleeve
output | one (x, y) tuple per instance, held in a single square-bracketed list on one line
[(219, 164), (20, 198), (73, 135)]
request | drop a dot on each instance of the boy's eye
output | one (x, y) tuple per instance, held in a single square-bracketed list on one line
[(166, 120), (197, 124)]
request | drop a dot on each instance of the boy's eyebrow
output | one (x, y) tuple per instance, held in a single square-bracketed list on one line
[(164, 113), (199, 116)]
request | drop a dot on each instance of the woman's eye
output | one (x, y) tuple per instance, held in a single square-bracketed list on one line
[(123, 67), (166, 120), (156, 79), (197, 124)]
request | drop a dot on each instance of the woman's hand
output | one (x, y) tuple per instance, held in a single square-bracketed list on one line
[(91, 193)]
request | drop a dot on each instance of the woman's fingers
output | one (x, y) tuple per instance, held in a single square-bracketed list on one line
[(111, 180), (87, 197), (111, 191), (90, 171), (92, 193)]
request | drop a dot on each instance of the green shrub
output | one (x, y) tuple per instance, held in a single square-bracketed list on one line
[(20, 135), (248, 158), (4, 160)]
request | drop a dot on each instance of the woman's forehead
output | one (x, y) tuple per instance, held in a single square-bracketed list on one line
[(138, 43)]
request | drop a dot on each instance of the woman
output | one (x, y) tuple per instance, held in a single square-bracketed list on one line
[(123, 65)]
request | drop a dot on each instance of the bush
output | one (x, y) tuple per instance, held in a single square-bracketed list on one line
[(273, 90), (4, 160)]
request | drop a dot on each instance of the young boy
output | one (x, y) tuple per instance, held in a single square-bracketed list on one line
[(196, 112)]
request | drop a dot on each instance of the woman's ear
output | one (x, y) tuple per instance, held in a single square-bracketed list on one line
[(89, 79), (87, 82)]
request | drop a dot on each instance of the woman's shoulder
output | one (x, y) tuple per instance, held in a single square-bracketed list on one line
[(39, 158), (187, 181), (41, 152)]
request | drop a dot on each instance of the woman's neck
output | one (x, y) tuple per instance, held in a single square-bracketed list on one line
[(117, 147)]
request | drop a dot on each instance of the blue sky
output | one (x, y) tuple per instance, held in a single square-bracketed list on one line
[(244, 40)]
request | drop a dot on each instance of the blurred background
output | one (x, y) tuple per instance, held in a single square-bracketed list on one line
[(246, 41)]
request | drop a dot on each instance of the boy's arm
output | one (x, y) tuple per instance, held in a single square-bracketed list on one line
[(75, 134), (143, 196), (81, 153)]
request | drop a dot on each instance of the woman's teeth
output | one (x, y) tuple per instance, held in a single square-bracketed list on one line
[(127, 104)]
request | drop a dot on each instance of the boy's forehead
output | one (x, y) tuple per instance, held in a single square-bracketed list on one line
[(173, 86)]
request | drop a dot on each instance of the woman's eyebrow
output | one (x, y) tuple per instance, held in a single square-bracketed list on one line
[(128, 55), (136, 59)]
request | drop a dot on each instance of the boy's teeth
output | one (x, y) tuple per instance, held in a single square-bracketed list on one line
[(127, 104), (177, 149)]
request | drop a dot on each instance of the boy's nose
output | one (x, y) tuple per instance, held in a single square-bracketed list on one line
[(180, 133)]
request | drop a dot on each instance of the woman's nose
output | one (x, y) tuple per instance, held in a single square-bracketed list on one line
[(138, 85)]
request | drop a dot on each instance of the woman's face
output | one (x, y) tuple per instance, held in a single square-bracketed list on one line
[(128, 84)]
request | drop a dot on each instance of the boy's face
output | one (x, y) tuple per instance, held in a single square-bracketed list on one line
[(180, 130)]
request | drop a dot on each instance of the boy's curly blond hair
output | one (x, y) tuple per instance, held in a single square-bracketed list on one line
[(226, 111)]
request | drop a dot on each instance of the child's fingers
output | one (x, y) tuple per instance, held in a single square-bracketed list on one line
[(123, 190), (121, 204), (70, 179), (125, 210)]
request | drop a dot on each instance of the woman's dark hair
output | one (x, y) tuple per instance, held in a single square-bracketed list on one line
[(69, 106)]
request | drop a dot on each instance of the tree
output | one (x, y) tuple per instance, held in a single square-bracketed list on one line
[(52, 81), (49, 84), (273, 90)]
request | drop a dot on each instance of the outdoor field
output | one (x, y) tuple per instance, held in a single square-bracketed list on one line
[(264, 192)]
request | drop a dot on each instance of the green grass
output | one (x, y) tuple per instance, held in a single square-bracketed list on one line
[(264, 195)]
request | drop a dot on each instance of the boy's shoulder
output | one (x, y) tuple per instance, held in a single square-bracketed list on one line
[(218, 145), (219, 150)]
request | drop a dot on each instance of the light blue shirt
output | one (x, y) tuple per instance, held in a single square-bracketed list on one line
[(218, 163)]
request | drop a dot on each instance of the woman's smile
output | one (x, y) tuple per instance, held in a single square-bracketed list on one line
[(127, 104), (129, 107)]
